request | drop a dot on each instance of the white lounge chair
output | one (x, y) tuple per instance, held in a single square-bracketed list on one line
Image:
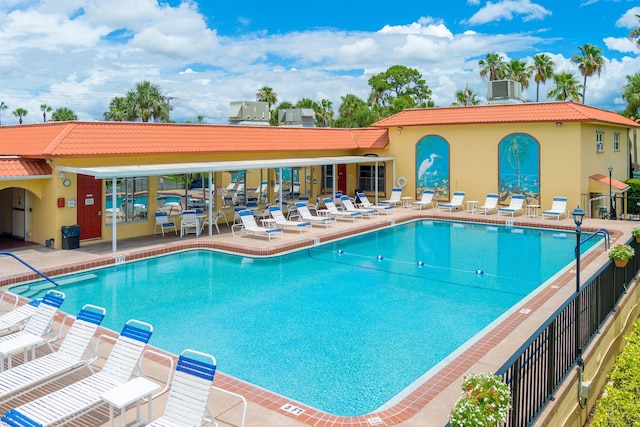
[(248, 226), (394, 200), (426, 201), (349, 207), (455, 204), (34, 332), (162, 221), (12, 320), (83, 396), (332, 211), (490, 204), (558, 209), (69, 357), (190, 223), (281, 221), (516, 205), (303, 211), (366, 204)]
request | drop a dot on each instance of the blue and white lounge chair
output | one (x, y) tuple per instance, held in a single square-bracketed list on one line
[(281, 221), (349, 207), (34, 331), (490, 204), (426, 201), (332, 210), (366, 204), (394, 199), (455, 204), (70, 356), (516, 205), (248, 226), (303, 211), (13, 320), (558, 209), (83, 396)]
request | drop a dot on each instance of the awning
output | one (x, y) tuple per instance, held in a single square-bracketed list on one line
[(616, 186), (16, 168)]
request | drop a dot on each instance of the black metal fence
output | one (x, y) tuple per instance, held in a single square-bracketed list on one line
[(538, 368)]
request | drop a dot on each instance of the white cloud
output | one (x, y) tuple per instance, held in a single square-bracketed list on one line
[(620, 44), (508, 9), (629, 19), (425, 26)]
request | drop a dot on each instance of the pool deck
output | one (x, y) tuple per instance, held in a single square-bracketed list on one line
[(427, 405)]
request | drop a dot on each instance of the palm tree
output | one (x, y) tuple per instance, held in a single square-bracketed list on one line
[(566, 87), (266, 94), (3, 107), (19, 113), (466, 97), (590, 62), (492, 67), (518, 71), (543, 67), (635, 33), (147, 102), (63, 114), (45, 109), (326, 112), (119, 110), (631, 94)]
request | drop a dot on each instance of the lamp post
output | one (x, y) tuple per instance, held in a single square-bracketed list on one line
[(612, 209), (578, 215)]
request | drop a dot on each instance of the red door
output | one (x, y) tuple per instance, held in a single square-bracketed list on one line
[(342, 179), (89, 207)]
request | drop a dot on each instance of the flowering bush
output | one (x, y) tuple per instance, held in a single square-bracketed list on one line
[(635, 232), (485, 401), (621, 252)]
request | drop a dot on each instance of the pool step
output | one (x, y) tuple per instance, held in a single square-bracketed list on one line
[(31, 290)]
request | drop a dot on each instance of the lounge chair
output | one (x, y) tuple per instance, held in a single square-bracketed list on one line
[(366, 204), (12, 320), (34, 332), (490, 204), (394, 199), (281, 221), (303, 211), (69, 357), (426, 201), (189, 223), (349, 207), (455, 204), (558, 209), (248, 226), (332, 211), (83, 396), (516, 205), (162, 221)]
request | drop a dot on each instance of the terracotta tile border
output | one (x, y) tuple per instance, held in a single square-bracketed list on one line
[(415, 400)]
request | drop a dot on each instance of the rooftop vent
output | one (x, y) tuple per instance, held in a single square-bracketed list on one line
[(504, 90), (248, 112), (300, 117)]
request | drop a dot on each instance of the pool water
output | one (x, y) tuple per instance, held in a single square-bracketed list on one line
[(342, 327)]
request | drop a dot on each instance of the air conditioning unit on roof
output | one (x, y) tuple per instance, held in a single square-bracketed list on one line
[(500, 89)]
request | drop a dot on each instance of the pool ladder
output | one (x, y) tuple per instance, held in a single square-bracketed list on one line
[(601, 232), (26, 290)]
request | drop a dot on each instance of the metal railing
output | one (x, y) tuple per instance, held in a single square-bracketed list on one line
[(538, 368)]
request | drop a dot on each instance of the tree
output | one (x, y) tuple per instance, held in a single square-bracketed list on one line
[(631, 94), (590, 62), (350, 109), (45, 109), (399, 81), (326, 110), (145, 102), (635, 33), (118, 110), (3, 107), (466, 97), (19, 113), (266, 94), (492, 67), (566, 87), (63, 114), (543, 68), (518, 71)]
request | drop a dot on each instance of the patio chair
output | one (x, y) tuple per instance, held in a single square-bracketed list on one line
[(303, 211), (558, 209), (281, 221), (162, 222), (13, 320), (425, 202), (516, 205), (490, 204), (250, 227), (394, 199), (349, 207), (34, 331), (366, 204), (189, 223), (455, 204), (332, 211), (83, 396), (69, 357)]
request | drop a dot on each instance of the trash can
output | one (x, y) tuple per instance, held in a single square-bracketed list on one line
[(71, 237)]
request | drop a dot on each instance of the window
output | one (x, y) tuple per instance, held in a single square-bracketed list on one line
[(599, 145), (327, 177), (131, 200), (616, 141), (367, 178)]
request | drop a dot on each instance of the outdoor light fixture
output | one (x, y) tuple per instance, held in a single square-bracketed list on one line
[(578, 215), (612, 213), (399, 130)]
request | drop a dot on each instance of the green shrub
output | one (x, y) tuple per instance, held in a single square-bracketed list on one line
[(633, 195)]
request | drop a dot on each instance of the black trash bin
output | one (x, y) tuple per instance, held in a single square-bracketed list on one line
[(71, 236)]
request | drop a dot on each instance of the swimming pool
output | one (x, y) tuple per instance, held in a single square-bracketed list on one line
[(342, 327)]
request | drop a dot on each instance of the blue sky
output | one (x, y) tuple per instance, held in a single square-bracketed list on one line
[(204, 54)]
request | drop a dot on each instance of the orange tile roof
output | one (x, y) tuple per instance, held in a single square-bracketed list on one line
[(531, 112), (82, 139), (15, 168), (614, 182)]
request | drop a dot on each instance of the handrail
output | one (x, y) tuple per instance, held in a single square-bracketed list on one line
[(601, 232), (44, 276)]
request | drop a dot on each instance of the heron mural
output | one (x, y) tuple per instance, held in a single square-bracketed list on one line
[(519, 165), (432, 166)]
